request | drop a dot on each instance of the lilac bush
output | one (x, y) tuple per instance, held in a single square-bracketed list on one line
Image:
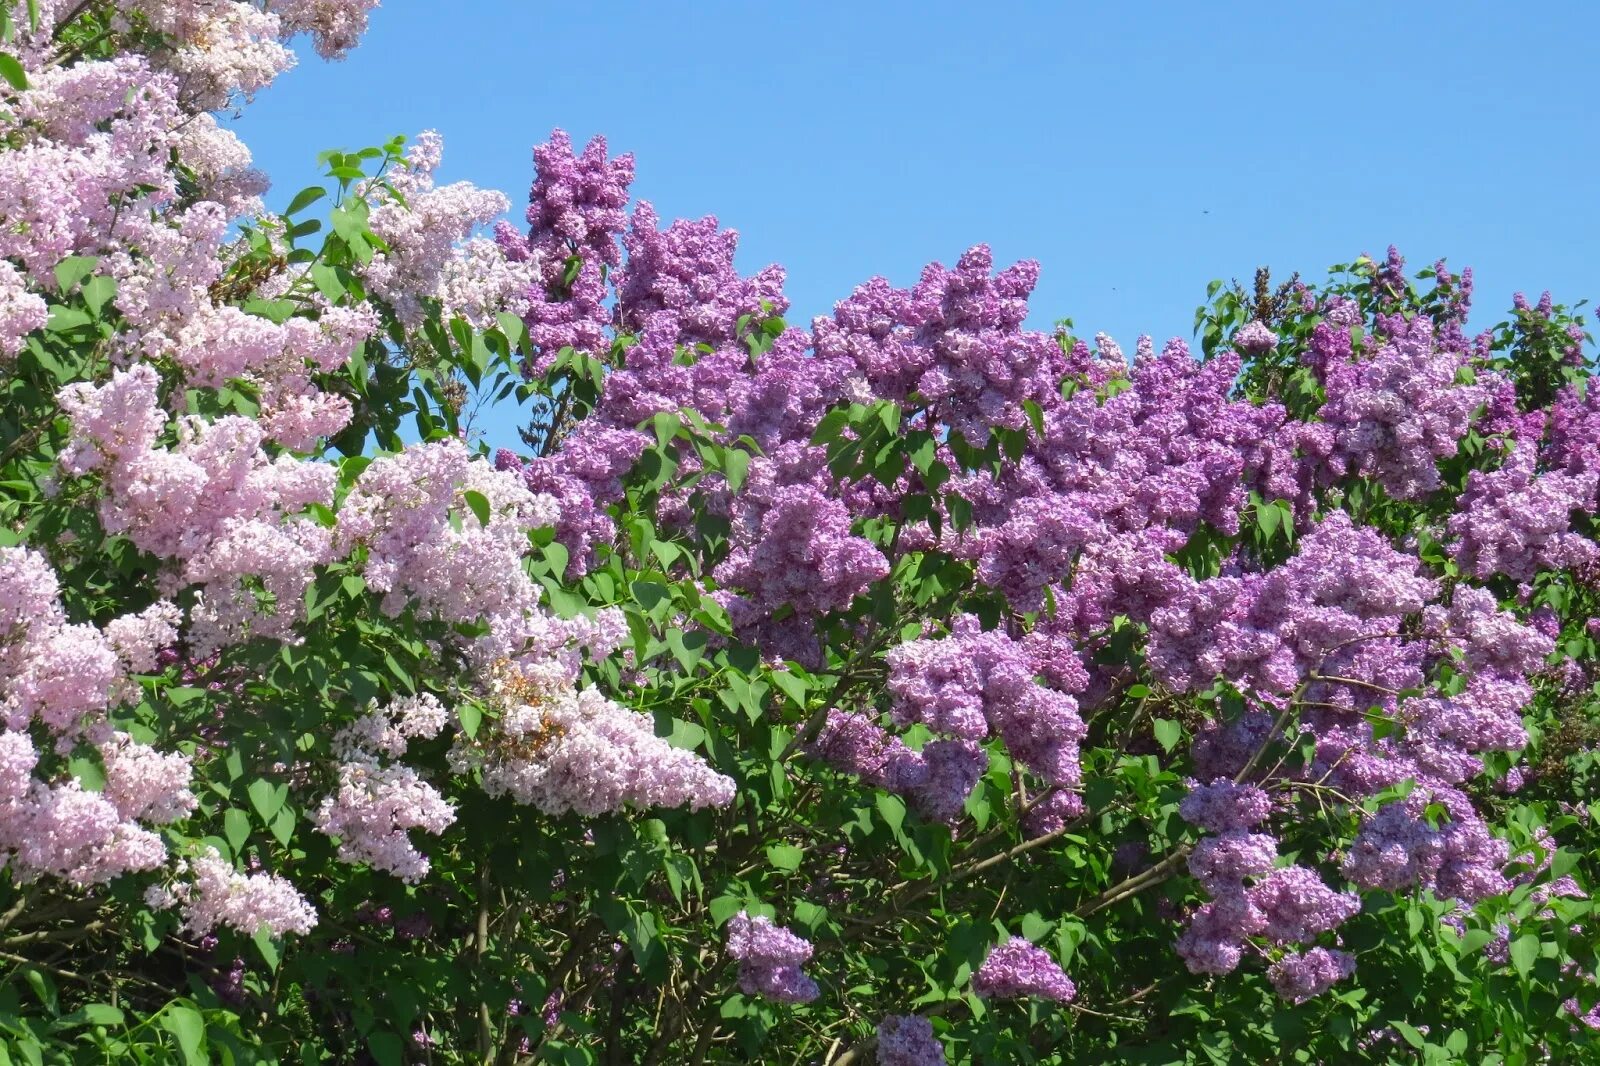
[(1249, 680)]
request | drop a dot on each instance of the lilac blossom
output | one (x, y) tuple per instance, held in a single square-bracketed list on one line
[(1019, 969), (770, 958)]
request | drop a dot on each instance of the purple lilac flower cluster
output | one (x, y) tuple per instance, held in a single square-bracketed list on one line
[(1122, 463), (935, 780), (770, 958), (975, 682), (1393, 414), (1250, 896), (1020, 969), (908, 1040)]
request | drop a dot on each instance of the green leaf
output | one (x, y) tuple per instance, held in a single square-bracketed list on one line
[(687, 647), (89, 772), (735, 465), (326, 279), (189, 1027), (1524, 950), (892, 809), (1168, 733), (267, 797), (1269, 517), (12, 71), (686, 734), (471, 716), (792, 686), (667, 425), (479, 504), (666, 551), (73, 269), (1035, 926), (42, 987), (94, 1014), (65, 319), (832, 422), (98, 290), (1409, 1032), (386, 1049), (785, 856), (725, 907), (305, 198), (283, 826), (236, 826), (649, 593), (268, 948)]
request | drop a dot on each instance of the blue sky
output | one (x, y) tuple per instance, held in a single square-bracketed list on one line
[(1137, 150)]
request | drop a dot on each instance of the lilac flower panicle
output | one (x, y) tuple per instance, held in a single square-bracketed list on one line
[(1018, 968), (1299, 977), (1255, 337), (1223, 806), (769, 958), (908, 1040)]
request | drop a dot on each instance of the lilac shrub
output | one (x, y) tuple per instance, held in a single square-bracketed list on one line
[(1252, 679)]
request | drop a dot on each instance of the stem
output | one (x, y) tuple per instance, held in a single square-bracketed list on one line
[(1135, 884), (481, 944), (1332, 679), (962, 873), (807, 734), (622, 992), (27, 440), (16, 908), (67, 19)]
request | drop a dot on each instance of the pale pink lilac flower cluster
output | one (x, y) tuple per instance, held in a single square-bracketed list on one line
[(375, 806), (230, 518), (430, 252), (65, 678), (333, 25), (372, 810), (578, 751), (1255, 337), (66, 831), (21, 312), (427, 546), (212, 894)]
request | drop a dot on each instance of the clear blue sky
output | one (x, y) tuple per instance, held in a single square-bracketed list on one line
[(1136, 150)]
